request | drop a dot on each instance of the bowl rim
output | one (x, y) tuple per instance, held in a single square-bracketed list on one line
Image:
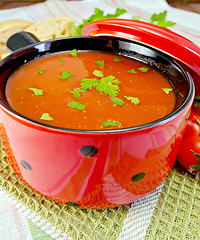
[(43, 126)]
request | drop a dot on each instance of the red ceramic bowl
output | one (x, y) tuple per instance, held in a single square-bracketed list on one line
[(94, 169)]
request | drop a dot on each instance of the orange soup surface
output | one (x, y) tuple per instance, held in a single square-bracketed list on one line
[(90, 91)]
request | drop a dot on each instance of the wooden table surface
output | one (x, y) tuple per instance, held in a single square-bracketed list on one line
[(189, 5)]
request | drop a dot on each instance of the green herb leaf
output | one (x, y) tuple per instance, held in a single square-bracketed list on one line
[(166, 24), (41, 70), (196, 166), (77, 92), (167, 90), (143, 69), (132, 71), (98, 14), (138, 177), (61, 62), (117, 60), (106, 85), (133, 100), (87, 83), (197, 104), (180, 93), (66, 75), (196, 97), (98, 73), (119, 12), (196, 155), (109, 124), (111, 79), (159, 17), (107, 88), (37, 92), (76, 105), (198, 121), (160, 20), (117, 101), (45, 116), (100, 63), (179, 80), (73, 53)]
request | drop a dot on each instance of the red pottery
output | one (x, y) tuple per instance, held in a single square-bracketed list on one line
[(101, 168)]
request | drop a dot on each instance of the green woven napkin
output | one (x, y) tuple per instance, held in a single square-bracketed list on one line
[(177, 214), (77, 223)]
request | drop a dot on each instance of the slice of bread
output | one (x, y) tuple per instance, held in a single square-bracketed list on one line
[(7, 29), (3, 54), (52, 28)]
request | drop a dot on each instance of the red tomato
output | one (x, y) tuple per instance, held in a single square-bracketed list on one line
[(193, 125), (189, 153)]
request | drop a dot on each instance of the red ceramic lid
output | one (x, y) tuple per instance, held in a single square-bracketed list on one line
[(154, 36)]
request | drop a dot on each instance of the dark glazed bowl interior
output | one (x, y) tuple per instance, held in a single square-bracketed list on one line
[(180, 79)]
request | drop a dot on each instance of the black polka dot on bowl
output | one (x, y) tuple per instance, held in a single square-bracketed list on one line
[(89, 151), (73, 204), (138, 177), (26, 165)]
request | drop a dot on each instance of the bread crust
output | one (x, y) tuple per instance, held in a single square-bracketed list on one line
[(7, 29), (52, 28), (12, 23)]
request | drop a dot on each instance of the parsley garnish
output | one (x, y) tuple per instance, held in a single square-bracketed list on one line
[(77, 105), (61, 62), (143, 69), (87, 83), (66, 75), (197, 104), (132, 71), (98, 73), (157, 19), (196, 97), (77, 92), (180, 93), (98, 14), (109, 124), (133, 100), (45, 116), (106, 85), (167, 90), (117, 101), (117, 60), (73, 53), (41, 70), (100, 63), (37, 91), (160, 20)]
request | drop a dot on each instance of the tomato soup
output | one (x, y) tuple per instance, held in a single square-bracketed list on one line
[(90, 90)]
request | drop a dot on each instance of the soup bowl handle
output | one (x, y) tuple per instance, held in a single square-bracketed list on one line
[(21, 39)]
